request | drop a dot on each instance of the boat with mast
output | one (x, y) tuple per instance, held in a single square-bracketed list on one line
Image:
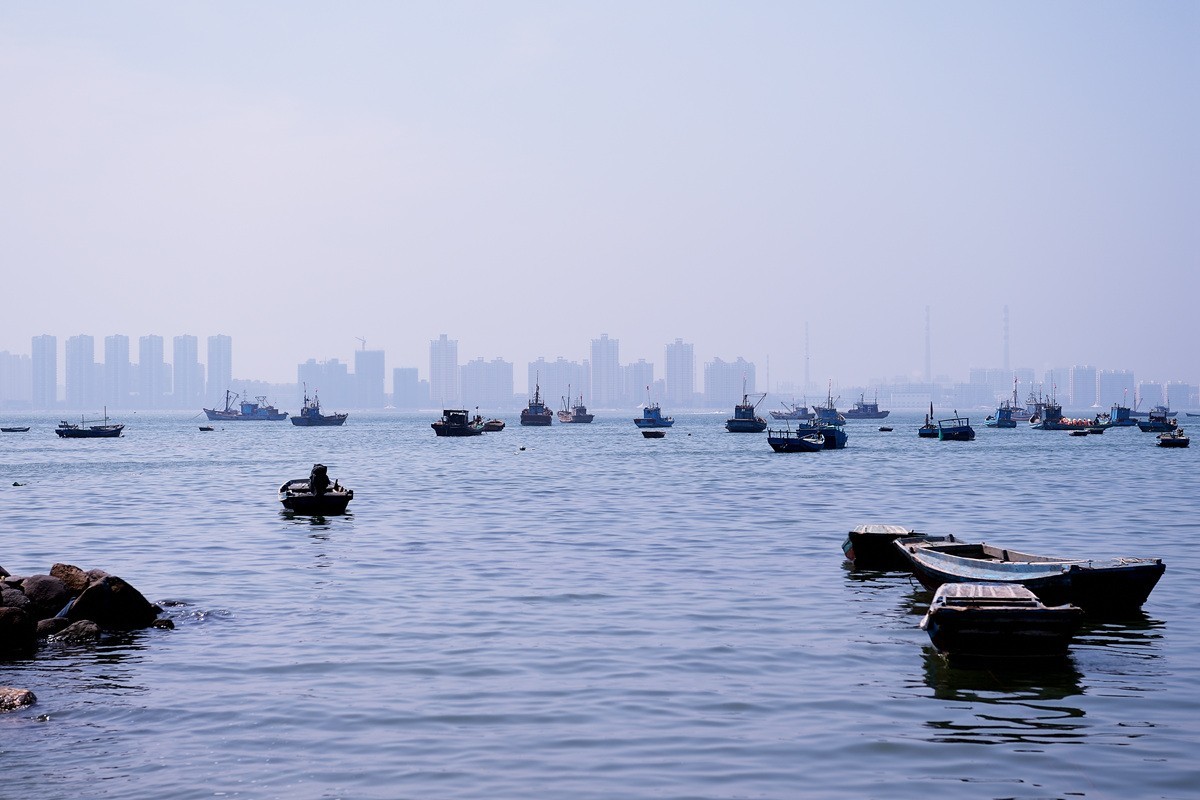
[(574, 413), (88, 429), (865, 410), (793, 410), (828, 414), (310, 414), (536, 414), (744, 420), (652, 416), (237, 410)]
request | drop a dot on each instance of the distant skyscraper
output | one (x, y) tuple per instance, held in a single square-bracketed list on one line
[(1149, 395), (188, 374), (606, 372), (16, 380), (81, 372), (1081, 386), (369, 379), (153, 376), (636, 380), (330, 380), (1116, 386), (443, 372), (45, 371), (680, 374), (558, 378), (220, 368), (723, 382), (116, 371), (408, 391), (488, 384)]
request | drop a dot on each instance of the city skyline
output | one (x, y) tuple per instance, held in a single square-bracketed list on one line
[(736, 175)]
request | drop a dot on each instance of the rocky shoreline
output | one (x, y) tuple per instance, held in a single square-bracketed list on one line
[(67, 605)]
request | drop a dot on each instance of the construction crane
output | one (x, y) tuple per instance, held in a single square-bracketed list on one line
[(364, 342)]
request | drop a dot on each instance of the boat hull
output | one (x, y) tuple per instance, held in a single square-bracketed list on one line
[(757, 425), (100, 432), (24, 429), (852, 414), (319, 421), (873, 547), (989, 620), (216, 415), (957, 434), (654, 423), (807, 440), (536, 420), (295, 497)]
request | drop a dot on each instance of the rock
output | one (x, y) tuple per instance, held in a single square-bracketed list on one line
[(3, 572), (47, 595), (75, 579), (11, 699), (49, 627), (95, 575), (13, 598), (18, 634), (113, 605), (165, 624), (81, 632)]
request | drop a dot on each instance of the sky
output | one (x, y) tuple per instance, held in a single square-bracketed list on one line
[(525, 176)]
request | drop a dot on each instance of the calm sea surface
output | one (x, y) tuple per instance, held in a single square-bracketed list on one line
[(580, 612)]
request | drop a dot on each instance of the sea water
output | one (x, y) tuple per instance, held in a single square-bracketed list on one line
[(577, 611)]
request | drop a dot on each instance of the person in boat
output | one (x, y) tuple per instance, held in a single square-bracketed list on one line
[(318, 479)]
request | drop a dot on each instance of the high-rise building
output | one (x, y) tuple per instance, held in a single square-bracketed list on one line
[(80, 383), (154, 377), (329, 380), (636, 380), (188, 372), (369, 379), (1081, 387), (1179, 395), (117, 386), (559, 378), (1149, 395), (44, 366), (487, 384), (408, 391), (1115, 386), (16, 380), (443, 372), (724, 382), (680, 374), (220, 368), (606, 372)]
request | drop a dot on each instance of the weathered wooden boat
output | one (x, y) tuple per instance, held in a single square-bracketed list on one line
[(998, 620), (1080, 432), (1175, 438), (808, 438), (457, 422), (206, 427), (87, 430), (1092, 584), (955, 429), (493, 425), (314, 495), (865, 410), (793, 410), (885, 429), (1052, 419), (1157, 422), (1121, 416), (873, 546), (237, 410), (744, 420), (21, 429), (653, 433), (310, 415), (536, 414)]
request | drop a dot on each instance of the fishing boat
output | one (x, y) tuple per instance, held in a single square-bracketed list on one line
[(744, 420), (828, 413), (310, 414), (1052, 419), (652, 415), (792, 410), (1157, 422), (206, 427), (653, 433), (1175, 438), (493, 425), (457, 422), (955, 429), (998, 620), (87, 429), (1121, 416), (1159, 409), (23, 429), (237, 410), (536, 414), (1092, 584), (872, 546), (929, 429), (574, 413), (807, 438), (864, 410), (314, 495), (1003, 418)]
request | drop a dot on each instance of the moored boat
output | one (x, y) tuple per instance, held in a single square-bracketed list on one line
[(493, 425), (314, 495), (1175, 438), (1095, 585), (807, 438), (744, 420), (536, 413), (237, 410), (574, 413), (310, 414), (793, 410), (652, 416), (828, 414), (955, 429), (865, 410), (86, 429), (998, 620), (1157, 422), (1003, 418), (653, 433), (457, 422), (19, 429), (871, 546), (929, 429)]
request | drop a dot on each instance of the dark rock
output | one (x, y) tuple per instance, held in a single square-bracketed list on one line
[(51, 626), (95, 575), (47, 595), (3, 572), (165, 624), (75, 579), (81, 632), (113, 605), (11, 699), (13, 598), (18, 634)]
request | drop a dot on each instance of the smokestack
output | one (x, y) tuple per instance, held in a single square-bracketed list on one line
[(928, 356)]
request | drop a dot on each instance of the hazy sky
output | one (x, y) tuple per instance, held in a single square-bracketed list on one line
[(527, 176)]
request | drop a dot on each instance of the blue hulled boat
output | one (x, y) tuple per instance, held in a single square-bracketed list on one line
[(955, 429), (245, 411), (808, 438), (744, 420), (536, 413), (1003, 417), (652, 418)]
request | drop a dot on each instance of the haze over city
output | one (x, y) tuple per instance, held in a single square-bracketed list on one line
[(527, 176)]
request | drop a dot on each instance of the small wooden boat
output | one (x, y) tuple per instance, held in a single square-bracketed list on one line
[(928, 430), (1118, 584), (493, 425), (885, 429), (86, 430), (206, 427), (24, 429), (872, 546), (457, 422), (314, 496), (998, 619), (1080, 432), (799, 441), (1175, 438), (650, 433)]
